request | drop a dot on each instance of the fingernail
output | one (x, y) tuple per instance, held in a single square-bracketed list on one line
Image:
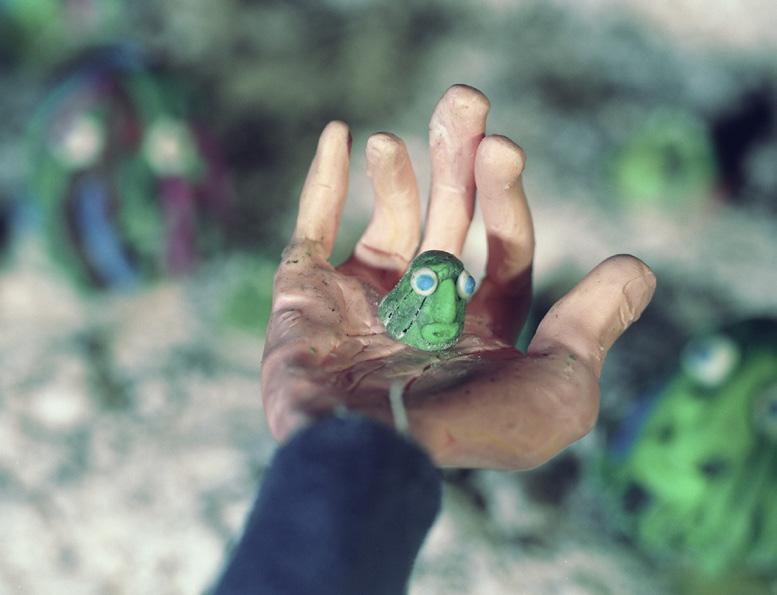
[(639, 292)]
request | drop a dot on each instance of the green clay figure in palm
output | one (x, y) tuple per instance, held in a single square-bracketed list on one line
[(426, 308)]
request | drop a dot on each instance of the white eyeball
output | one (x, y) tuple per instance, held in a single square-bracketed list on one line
[(424, 281), (465, 285), (79, 142), (710, 360), (169, 148)]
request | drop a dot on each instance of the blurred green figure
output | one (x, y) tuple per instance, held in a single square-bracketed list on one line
[(668, 163), (695, 468), (129, 184)]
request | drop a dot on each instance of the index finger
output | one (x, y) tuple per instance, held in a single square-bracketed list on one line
[(455, 131)]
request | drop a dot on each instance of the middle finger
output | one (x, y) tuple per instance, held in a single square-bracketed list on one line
[(457, 126)]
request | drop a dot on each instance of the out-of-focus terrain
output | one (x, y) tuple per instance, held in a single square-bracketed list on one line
[(132, 439)]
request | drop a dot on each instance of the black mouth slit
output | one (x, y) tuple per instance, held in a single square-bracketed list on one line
[(396, 306), (413, 319)]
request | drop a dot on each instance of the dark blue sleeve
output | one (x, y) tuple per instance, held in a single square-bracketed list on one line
[(343, 510)]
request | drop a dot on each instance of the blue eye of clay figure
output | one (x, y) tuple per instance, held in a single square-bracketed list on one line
[(424, 281), (465, 285)]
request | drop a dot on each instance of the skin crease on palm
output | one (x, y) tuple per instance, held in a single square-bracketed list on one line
[(480, 403)]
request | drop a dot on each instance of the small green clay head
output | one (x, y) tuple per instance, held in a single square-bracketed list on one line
[(426, 308)]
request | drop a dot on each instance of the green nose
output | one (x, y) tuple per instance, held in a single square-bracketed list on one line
[(443, 308), (440, 327)]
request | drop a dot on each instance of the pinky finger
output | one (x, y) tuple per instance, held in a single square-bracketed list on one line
[(322, 197)]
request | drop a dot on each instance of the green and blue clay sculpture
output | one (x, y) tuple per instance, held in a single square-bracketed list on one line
[(425, 309), (695, 467), (129, 186)]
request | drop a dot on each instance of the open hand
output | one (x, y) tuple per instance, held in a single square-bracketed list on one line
[(481, 403)]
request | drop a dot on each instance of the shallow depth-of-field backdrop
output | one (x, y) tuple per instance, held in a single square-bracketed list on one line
[(150, 159)]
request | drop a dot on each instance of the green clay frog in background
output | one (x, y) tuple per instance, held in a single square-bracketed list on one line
[(426, 307), (696, 474)]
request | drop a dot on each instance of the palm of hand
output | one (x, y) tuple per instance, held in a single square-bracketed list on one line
[(481, 403)]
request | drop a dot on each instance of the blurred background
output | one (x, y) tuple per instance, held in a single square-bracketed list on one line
[(150, 159)]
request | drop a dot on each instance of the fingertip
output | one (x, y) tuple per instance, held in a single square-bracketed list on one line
[(336, 127), (463, 97), (463, 104), (384, 145), (631, 262), (636, 277), (501, 156), (335, 133)]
